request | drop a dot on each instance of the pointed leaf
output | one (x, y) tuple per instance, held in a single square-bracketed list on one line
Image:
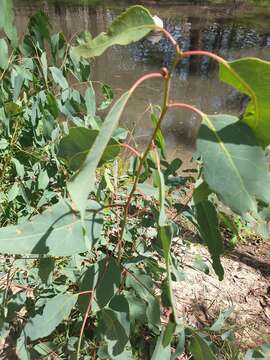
[(209, 229), (82, 184), (168, 333), (200, 349), (90, 101), (234, 165), (251, 76), (4, 54), (130, 26), (161, 352), (180, 348), (58, 232), (43, 180), (219, 323), (59, 78), (44, 64), (56, 310), (7, 21)]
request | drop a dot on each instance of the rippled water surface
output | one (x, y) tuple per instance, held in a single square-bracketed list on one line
[(231, 31)]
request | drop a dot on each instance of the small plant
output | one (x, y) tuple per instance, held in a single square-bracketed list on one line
[(88, 266)]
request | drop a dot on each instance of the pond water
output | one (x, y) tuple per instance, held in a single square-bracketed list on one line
[(231, 31)]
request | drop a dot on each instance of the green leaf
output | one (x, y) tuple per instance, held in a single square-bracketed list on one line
[(137, 307), (169, 332), (4, 54), (7, 21), (39, 28), (83, 183), (130, 26), (45, 270), (18, 83), (165, 235), (13, 192), (159, 140), (3, 144), (88, 282), (251, 76), (90, 101), (59, 78), (56, 310), (45, 348), (200, 349), (109, 282), (161, 352), (113, 330), (44, 64), (105, 277), (57, 232), (76, 145), (162, 219), (43, 180), (219, 323), (234, 165), (180, 348), (21, 347), (207, 219)]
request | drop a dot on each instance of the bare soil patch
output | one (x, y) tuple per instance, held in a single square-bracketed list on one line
[(246, 287)]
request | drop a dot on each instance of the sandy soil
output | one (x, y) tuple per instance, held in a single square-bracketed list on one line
[(246, 287)]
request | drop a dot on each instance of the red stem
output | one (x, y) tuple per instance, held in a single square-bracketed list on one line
[(127, 146), (143, 78), (204, 53), (168, 36), (87, 292), (187, 106)]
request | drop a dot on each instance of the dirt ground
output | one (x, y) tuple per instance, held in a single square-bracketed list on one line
[(246, 287)]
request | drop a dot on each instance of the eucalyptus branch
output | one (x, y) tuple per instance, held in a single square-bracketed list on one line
[(188, 107), (167, 76), (225, 63)]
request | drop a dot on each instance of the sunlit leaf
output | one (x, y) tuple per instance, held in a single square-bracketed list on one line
[(58, 232), (83, 183), (58, 77), (7, 21), (234, 165), (4, 54), (207, 219), (220, 322), (130, 26), (90, 101), (251, 76)]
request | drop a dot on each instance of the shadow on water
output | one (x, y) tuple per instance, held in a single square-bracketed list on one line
[(230, 31)]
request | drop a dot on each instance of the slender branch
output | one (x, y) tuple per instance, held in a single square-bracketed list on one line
[(144, 78), (215, 57), (167, 35), (167, 76), (225, 63), (188, 107), (138, 281), (84, 323), (132, 149)]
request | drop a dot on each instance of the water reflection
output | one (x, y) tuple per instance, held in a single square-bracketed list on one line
[(194, 27)]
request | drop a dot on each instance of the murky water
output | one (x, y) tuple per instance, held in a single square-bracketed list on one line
[(230, 31)]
